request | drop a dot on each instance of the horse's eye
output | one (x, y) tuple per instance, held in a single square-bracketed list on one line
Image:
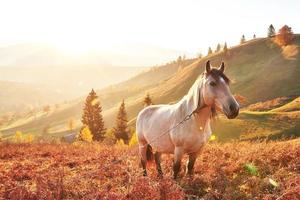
[(212, 84)]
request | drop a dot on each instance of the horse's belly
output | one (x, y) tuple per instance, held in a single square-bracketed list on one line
[(162, 144)]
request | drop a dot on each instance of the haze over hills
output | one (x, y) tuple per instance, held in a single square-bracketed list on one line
[(260, 70), (57, 84), (52, 76), (46, 55)]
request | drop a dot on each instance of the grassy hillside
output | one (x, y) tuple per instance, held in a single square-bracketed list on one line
[(238, 170), (260, 71), (283, 121), (289, 107)]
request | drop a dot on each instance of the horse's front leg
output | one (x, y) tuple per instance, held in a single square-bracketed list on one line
[(178, 153), (191, 163)]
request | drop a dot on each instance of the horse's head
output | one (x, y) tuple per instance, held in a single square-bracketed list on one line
[(216, 91)]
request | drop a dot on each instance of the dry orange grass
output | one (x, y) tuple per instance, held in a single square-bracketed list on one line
[(91, 171)]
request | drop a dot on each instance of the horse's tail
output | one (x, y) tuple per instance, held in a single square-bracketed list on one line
[(149, 153)]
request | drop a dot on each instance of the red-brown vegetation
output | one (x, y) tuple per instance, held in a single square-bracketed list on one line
[(91, 171), (270, 104), (285, 36)]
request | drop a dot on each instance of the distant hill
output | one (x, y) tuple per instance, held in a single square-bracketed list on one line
[(16, 96), (259, 70), (109, 96)]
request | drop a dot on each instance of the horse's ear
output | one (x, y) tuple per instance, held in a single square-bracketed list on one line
[(222, 67), (208, 67)]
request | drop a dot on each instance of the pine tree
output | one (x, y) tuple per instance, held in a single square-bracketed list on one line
[(121, 130), (218, 48), (179, 60), (147, 101), (225, 48), (209, 51), (271, 31), (92, 116), (243, 39)]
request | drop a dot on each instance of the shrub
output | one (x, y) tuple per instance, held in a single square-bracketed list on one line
[(120, 143), (18, 137), (85, 135), (110, 137), (133, 141), (28, 138)]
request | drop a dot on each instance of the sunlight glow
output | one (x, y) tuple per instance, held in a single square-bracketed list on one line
[(188, 26)]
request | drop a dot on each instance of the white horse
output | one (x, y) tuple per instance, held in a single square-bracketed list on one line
[(184, 128)]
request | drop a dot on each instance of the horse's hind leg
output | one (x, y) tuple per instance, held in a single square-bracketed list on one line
[(178, 153), (143, 154), (157, 157)]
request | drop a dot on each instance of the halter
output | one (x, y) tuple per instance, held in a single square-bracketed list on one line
[(186, 118)]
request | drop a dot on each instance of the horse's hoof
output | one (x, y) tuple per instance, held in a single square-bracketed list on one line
[(189, 174)]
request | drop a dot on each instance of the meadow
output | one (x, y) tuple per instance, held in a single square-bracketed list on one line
[(234, 170)]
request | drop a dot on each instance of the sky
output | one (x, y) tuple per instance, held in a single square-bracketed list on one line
[(188, 26)]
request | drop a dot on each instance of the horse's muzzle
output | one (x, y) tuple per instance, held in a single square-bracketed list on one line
[(234, 112)]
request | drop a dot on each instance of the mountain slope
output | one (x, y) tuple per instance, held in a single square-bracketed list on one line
[(259, 70)]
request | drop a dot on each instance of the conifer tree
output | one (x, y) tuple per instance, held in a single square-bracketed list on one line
[(121, 130), (147, 100), (271, 31), (225, 48), (209, 51), (179, 60), (218, 48), (92, 116), (243, 39)]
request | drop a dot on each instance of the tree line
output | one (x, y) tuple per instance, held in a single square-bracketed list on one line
[(93, 128), (283, 37)]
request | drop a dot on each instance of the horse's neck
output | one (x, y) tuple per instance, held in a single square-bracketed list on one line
[(201, 117), (198, 119), (193, 100)]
